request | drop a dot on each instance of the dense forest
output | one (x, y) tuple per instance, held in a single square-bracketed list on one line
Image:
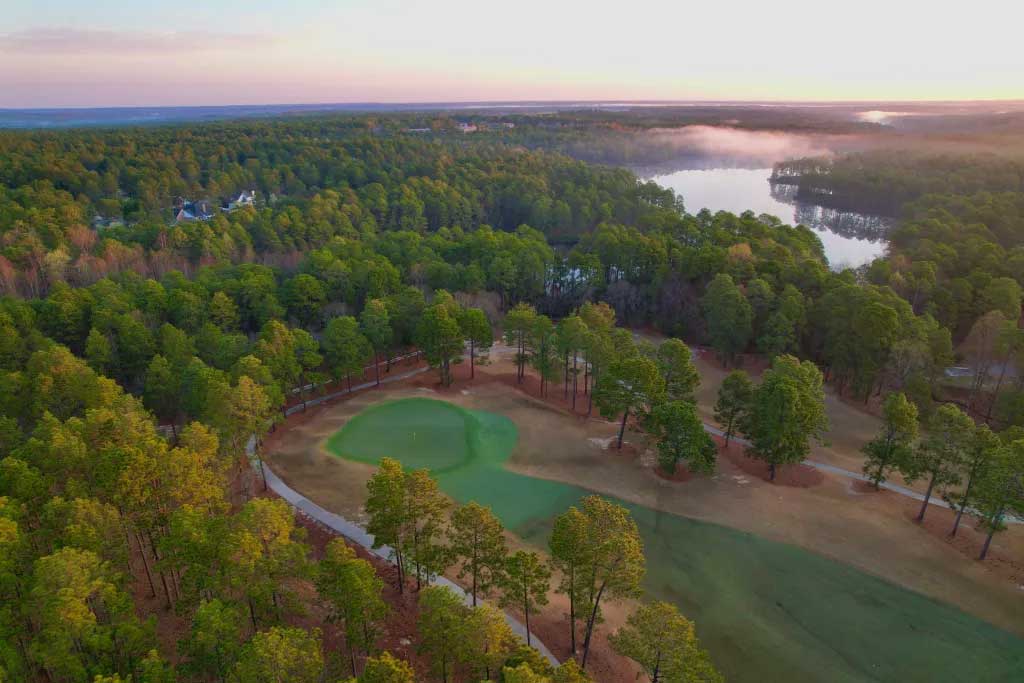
[(956, 252), (886, 181), (117, 318)]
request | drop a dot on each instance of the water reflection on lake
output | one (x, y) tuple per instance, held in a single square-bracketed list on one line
[(849, 239)]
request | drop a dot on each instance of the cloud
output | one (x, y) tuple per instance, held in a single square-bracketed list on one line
[(73, 41)]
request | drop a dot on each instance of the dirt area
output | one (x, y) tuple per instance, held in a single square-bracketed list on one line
[(797, 475), (850, 426)]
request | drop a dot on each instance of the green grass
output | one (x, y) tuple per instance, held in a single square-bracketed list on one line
[(767, 611), (420, 432)]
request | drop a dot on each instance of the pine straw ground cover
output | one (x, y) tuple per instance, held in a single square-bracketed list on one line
[(766, 610)]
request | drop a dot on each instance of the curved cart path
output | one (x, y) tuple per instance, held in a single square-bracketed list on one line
[(355, 533)]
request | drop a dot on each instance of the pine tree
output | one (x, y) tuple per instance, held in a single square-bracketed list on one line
[(735, 397), (525, 583), (386, 506), (353, 590), (894, 444), (478, 544), (664, 643)]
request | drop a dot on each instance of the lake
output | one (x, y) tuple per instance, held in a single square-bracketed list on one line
[(850, 239)]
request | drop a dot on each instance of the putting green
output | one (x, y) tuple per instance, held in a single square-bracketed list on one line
[(420, 432), (767, 611)]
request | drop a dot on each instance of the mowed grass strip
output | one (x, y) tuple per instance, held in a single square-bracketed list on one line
[(767, 611)]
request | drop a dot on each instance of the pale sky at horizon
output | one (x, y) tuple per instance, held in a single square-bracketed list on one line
[(117, 53)]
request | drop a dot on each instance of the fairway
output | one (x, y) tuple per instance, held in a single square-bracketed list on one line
[(767, 611)]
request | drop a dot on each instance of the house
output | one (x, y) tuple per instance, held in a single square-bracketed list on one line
[(186, 210), (466, 127), (243, 198)]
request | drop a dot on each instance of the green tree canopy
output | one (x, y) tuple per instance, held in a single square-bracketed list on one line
[(682, 437), (788, 410), (478, 544), (728, 315), (353, 590), (525, 582), (632, 384), (375, 325), (941, 453), (1000, 490), (675, 360), (664, 643), (476, 329), (440, 338), (896, 440), (280, 655), (735, 400), (346, 350)]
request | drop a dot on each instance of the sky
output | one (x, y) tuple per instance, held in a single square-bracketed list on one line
[(57, 53)]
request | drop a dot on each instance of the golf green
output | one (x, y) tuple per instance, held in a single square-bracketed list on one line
[(767, 611)]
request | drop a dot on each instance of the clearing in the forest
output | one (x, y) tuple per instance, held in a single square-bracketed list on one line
[(766, 610)]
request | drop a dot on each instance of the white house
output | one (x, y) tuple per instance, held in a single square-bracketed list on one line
[(243, 198)]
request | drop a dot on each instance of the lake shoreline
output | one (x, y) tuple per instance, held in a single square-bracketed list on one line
[(850, 239)]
